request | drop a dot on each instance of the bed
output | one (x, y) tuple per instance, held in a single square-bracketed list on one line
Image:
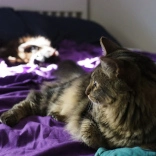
[(76, 38)]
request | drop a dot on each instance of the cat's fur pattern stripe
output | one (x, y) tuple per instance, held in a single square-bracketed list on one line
[(122, 91)]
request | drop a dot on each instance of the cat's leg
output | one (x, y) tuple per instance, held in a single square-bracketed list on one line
[(91, 135), (85, 130), (27, 107)]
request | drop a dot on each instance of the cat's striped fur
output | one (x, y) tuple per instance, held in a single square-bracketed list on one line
[(114, 106)]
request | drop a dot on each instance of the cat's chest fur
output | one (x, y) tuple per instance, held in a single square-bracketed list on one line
[(111, 130), (68, 98)]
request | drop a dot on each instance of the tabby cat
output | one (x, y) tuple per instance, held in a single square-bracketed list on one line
[(114, 106)]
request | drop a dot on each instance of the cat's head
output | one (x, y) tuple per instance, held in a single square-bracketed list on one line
[(119, 74)]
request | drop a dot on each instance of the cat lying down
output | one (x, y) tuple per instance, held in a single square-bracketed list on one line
[(114, 106), (28, 49)]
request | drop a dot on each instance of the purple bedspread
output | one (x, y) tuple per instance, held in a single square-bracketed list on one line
[(35, 135)]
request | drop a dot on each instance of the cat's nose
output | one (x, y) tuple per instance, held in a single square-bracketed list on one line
[(87, 92)]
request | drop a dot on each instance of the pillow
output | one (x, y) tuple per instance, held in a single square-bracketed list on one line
[(59, 28), (18, 23), (125, 151), (11, 25)]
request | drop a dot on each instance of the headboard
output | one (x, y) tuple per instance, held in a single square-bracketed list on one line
[(66, 8)]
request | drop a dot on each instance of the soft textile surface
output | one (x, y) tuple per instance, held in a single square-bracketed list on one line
[(35, 135), (136, 151), (55, 28)]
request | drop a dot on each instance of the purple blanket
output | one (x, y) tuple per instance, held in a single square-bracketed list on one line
[(37, 135)]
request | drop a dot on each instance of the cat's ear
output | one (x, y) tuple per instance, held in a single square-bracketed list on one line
[(108, 46), (109, 66), (125, 71)]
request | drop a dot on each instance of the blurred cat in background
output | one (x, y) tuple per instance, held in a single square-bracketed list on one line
[(28, 49)]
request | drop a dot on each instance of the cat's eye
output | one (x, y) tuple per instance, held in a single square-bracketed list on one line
[(31, 48), (95, 83)]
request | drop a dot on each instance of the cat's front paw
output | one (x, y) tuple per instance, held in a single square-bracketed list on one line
[(91, 135), (9, 118), (56, 116)]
